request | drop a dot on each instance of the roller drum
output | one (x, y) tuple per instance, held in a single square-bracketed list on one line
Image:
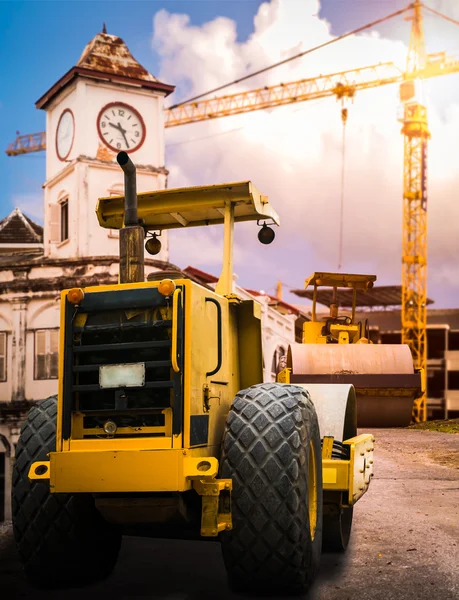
[(388, 406)]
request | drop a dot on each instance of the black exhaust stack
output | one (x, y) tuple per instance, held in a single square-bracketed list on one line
[(132, 234)]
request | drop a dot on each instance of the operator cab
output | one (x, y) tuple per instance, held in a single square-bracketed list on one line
[(336, 328)]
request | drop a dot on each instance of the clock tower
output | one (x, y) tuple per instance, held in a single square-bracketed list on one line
[(106, 103)]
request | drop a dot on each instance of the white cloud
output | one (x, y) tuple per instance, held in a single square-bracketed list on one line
[(293, 154)]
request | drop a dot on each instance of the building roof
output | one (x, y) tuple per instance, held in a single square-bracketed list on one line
[(107, 57), (201, 275), (273, 300), (390, 320), (378, 296), (109, 54), (276, 302), (17, 228)]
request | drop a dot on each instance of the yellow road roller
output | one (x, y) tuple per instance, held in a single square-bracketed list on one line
[(338, 349), (163, 426)]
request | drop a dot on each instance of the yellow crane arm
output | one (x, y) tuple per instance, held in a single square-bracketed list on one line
[(31, 142), (345, 83), (342, 84)]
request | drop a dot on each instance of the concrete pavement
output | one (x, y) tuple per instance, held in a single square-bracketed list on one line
[(404, 543)]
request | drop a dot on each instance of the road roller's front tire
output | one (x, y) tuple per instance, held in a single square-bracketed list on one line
[(337, 527), (272, 452), (62, 539)]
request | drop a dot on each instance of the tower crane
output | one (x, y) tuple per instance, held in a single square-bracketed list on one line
[(346, 84)]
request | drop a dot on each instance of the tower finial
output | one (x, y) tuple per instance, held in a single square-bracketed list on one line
[(104, 29)]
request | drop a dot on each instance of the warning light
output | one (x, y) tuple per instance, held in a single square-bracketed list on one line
[(75, 295), (166, 287)]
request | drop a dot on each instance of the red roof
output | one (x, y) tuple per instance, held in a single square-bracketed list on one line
[(16, 228), (208, 278), (276, 300)]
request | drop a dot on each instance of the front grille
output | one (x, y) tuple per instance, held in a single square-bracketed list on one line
[(119, 327)]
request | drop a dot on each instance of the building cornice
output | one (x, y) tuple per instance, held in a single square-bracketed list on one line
[(111, 165), (73, 274), (75, 72), (114, 166)]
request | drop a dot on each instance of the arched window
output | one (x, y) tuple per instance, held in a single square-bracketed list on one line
[(278, 354)]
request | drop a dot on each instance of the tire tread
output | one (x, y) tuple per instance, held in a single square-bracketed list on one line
[(61, 538), (264, 451)]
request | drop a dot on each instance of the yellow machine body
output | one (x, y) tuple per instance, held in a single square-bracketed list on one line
[(208, 347), (206, 344), (89, 460), (337, 349)]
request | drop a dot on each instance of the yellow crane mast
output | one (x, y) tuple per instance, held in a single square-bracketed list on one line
[(342, 85), (414, 246)]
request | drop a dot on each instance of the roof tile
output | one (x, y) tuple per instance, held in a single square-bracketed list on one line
[(17, 228), (109, 54)]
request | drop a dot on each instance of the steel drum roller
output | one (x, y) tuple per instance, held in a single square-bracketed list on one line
[(383, 376)]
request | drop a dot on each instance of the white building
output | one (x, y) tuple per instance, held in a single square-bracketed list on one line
[(108, 102)]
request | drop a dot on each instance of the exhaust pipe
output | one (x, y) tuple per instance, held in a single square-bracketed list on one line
[(131, 269)]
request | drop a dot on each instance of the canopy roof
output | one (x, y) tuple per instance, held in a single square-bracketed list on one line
[(189, 206), (378, 296), (340, 280)]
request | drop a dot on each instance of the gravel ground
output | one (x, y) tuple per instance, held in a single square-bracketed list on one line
[(404, 543)]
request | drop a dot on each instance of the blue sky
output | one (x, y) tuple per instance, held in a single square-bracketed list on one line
[(41, 40)]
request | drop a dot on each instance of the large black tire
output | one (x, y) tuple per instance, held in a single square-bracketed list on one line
[(266, 451), (62, 539)]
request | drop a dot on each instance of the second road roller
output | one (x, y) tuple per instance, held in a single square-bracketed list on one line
[(337, 349)]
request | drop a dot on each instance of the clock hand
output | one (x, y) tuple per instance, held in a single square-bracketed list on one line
[(125, 139), (123, 131)]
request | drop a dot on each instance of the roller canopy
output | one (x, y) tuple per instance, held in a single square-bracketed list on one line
[(360, 282), (189, 207)]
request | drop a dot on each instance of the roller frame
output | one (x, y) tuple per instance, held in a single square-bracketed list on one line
[(335, 406)]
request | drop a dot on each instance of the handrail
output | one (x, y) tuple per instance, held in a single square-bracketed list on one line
[(219, 336), (175, 301)]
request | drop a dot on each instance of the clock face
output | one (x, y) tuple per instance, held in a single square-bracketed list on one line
[(64, 134), (121, 127)]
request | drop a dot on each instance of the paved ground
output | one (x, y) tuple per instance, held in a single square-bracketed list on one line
[(405, 540)]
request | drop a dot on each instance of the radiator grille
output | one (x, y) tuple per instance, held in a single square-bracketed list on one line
[(136, 329)]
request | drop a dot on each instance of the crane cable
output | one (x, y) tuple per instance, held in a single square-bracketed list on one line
[(286, 60), (439, 14), (343, 161)]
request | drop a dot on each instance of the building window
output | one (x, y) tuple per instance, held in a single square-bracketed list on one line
[(58, 220), (64, 220), (3, 341), (46, 353)]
